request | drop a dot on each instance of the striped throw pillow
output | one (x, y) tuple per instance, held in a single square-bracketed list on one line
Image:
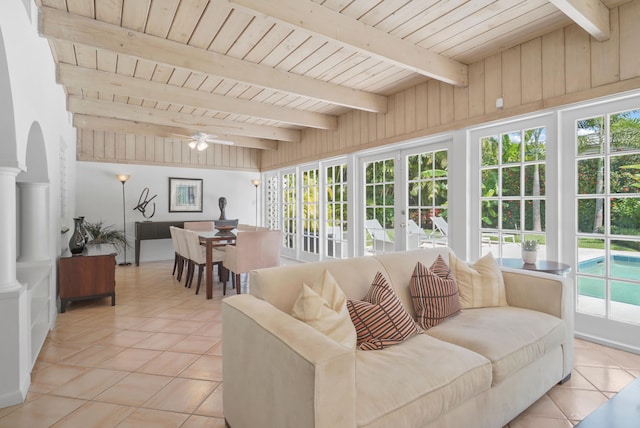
[(434, 293), (380, 320)]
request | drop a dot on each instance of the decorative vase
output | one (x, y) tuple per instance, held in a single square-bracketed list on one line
[(529, 257), (76, 243), (83, 230)]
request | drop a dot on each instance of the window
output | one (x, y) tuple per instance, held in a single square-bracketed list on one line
[(427, 187), (608, 215), (272, 202), (513, 181), (379, 206), (310, 211), (336, 205), (289, 211)]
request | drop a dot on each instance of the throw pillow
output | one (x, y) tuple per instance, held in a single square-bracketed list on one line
[(324, 307), (481, 284), (380, 320), (434, 293)]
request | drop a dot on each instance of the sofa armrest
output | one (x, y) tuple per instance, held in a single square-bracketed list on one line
[(548, 293), (281, 372)]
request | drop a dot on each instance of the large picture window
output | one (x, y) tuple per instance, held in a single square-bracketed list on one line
[(337, 226), (608, 215)]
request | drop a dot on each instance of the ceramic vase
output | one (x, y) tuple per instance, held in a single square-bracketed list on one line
[(76, 243), (83, 230), (529, 257)]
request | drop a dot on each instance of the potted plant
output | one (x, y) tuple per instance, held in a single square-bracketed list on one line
[(101, 234), (529, 251)]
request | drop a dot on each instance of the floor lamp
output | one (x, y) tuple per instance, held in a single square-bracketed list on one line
[(122, 178), (256, 183)]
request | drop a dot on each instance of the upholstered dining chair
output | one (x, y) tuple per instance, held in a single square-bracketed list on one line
[(198, 257), (174, 241), (255, 249), (181, 249)]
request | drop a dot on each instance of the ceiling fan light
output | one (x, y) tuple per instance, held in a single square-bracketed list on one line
[(202, 145), (193, 144)]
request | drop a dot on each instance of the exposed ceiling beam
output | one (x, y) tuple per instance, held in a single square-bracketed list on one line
[(59, 25), (353, 34), (83, 121), (210, 125), (591, 15), (118, 84)]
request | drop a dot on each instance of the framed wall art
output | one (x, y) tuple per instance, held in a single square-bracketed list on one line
[(185, 195)]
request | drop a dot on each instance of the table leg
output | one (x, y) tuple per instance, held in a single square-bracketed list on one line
[(209, 269)]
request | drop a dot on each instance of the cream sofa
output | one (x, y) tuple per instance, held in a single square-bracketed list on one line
[(480, 368)]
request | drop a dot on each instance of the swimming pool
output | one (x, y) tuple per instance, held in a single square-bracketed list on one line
[(622, 267)]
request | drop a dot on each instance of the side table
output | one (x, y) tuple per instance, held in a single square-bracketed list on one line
[(540, 266)]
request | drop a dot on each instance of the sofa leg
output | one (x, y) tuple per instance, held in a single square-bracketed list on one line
[(226, 423), (565, 380)]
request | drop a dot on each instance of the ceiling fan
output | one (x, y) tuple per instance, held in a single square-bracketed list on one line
[(201, 140)]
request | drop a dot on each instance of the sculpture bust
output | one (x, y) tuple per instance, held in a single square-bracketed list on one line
[(222, 203)]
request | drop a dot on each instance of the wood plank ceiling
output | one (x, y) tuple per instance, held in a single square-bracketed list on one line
[(254, 72)]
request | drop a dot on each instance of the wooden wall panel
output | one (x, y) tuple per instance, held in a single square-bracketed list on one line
[(433, 103), (118, 147), (605, 57), (531, 69), (577, 59), (553, 64), (511, 78), (492, 82), (476, 89), (629, 39)]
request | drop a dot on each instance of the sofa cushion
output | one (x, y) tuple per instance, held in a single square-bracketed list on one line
[(510, 337), (481, 284), (434, 293), (323, 306), (380, 320), (415, 382)]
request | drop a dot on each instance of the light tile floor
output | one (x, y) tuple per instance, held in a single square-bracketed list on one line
[(155, 360)]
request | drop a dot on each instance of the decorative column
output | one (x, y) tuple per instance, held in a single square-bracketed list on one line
[(8, 279), (34, 229), (14, 324)]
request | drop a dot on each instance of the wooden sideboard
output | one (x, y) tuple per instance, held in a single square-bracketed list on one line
[(89, 275), (154, 230)]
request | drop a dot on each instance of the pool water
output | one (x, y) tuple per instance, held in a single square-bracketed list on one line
[(622, 267)]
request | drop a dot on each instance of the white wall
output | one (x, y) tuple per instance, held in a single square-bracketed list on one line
[(99, 197), (35, 102)]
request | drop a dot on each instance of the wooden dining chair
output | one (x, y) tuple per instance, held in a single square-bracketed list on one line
[(253, 250)]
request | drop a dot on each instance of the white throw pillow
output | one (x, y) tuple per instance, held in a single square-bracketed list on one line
[(481, 284), (324, 307)]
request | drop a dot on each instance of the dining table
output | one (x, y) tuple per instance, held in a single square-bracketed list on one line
[(211, 239)]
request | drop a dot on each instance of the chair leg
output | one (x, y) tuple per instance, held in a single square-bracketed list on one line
[(190, 269), (238, 283), (180, 268), (200, 267), (175, 264)]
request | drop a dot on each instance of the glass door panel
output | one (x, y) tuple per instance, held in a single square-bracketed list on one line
[(427, 199), (379, 206)]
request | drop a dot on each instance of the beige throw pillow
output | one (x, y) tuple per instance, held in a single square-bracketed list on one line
[(324, 307), (480, 285)]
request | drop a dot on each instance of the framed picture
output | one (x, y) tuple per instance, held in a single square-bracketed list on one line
[(185, 195)]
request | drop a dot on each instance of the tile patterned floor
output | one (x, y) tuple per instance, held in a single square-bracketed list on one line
[(155, 360)]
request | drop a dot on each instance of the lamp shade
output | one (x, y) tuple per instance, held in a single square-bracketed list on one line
[(122, 178), (255, 182)]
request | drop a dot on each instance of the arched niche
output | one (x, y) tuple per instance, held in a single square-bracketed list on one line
[(33, 201)]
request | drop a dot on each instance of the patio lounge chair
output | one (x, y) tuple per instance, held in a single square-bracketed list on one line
[(380, 240)]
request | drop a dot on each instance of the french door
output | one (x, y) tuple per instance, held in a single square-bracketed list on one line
[(603, 206), (404, 199)]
